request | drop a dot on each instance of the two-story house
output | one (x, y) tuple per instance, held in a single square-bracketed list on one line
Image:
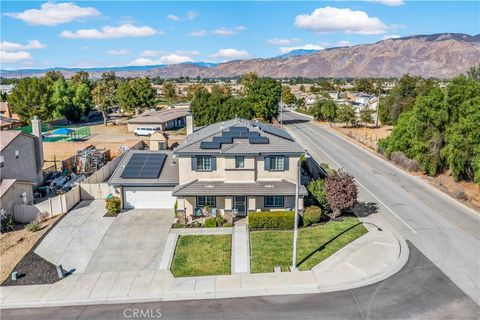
[(20, 168), (238, 166)]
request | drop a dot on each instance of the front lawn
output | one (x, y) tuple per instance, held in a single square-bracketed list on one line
[(274, 248), (202, 255)]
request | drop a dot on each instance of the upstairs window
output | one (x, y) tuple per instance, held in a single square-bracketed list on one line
[(17, 154), (239, 162), (204, 163), (277, 163), (2, 162)]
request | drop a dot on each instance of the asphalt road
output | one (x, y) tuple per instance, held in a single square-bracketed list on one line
[(446, 231), (419, 291)]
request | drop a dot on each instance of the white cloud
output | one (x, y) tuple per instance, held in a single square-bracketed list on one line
[(344, 43), (309, 46), (166, 59), (241, 28), (224, 32), (390, 36), (16, 56), (198, 33), (391, 3), (52, 14), (229, 53), (109, 32), (283, 42), (192, 15), (12, 46), (330, 19), (173, 17), (120, 52)]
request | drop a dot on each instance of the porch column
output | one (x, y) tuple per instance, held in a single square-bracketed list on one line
[(252, 203), (300, 203), (228, 203)]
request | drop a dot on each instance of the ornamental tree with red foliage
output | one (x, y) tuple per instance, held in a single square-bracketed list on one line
[(341, 191)]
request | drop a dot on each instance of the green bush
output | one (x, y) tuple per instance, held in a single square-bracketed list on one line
[(211, 223), (178, 225), (33, 226), (227, 225), (317, 190), (271, 220), (113, 206), (8, 223), (312, 215)]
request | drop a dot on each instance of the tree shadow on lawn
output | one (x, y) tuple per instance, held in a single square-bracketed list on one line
[(320, 248), (294, 121)]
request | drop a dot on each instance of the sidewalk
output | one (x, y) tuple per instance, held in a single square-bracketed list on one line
[(371, 258)]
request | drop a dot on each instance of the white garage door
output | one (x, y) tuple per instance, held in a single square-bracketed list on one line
[(148, 198)]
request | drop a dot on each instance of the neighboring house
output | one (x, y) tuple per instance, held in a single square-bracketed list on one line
[(6, 88), (9, 123), (145, 179), (165, 119), (20, 168), (238, 166)]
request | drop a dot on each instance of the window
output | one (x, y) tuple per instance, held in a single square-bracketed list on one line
[(204, 163), (17, 154), (206, 201), (277, 163), (274, 201), (239, 162), (2, 162)]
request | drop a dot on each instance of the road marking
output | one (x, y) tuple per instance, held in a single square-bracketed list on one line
[(376, 198)]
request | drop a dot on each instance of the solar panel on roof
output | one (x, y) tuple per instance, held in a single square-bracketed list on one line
[(258, 140), (210, 145), (273, 130), (144, 165)]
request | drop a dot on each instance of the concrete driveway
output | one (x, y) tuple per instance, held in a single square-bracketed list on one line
[(134, 241), (86, 241)]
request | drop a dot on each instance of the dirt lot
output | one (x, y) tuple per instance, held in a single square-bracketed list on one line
[(366, 135), (15, 244)]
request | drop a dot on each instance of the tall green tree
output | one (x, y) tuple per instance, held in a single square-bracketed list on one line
[(137, 93), (104, 94), (365, 85), (324, 109), (247, 81), (31, 97), (366, 115), (287, 95), (346, 113), (170, 91), (474, 72), (81, 77), (264, 95)]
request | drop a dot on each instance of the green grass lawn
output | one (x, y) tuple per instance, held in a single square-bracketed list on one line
[(274, 248), (202, 255)]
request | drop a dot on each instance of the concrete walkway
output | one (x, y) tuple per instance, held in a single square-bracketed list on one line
[(240, 249), (353, 266)]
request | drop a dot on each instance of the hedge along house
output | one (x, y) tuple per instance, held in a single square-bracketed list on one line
[(237, 166)]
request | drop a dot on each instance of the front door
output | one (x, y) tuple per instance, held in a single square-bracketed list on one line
[(240, 205)]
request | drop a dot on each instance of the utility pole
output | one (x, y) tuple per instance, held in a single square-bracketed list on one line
[(281, 106), (378, 105)]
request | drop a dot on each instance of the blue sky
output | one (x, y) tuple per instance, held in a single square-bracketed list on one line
[(107, 33)]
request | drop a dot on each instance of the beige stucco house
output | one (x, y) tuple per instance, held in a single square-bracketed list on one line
[(238, 166)]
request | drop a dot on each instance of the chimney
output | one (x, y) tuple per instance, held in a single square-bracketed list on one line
[(37, 131), (189, 123)]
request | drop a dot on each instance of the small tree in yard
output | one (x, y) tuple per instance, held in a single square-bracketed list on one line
[(113, 206), (341, 191)]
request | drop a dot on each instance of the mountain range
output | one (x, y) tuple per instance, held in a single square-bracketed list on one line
[(443, 55)]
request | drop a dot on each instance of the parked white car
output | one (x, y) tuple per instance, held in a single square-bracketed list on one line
[(145, 131)]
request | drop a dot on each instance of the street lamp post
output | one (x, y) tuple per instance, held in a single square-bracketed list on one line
[(295, 227)]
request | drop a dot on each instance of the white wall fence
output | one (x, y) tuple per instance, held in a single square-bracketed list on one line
[(94, 187), (53, 206)]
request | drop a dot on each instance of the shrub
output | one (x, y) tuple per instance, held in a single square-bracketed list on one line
[(400, 159), (317, 189), (33, 226), (341, 191), (271, 220), (8, 223), (113, 206), (227, 225), (211, 223), (196, 224), (312, 215), (178, 225), (220, 220)]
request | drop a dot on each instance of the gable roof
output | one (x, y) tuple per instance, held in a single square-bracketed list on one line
[(7, 136), (159, 116), (279, 140)]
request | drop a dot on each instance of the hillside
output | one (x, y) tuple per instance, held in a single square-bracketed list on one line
[(440, 55)]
